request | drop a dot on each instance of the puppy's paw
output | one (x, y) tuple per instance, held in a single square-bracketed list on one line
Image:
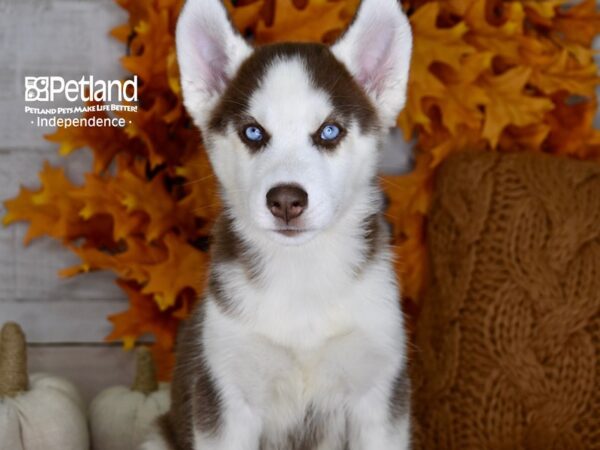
[(155, 442)]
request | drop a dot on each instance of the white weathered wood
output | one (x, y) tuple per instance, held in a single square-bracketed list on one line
[(62, 320), (397, 154), (54, 38), (90, 368)]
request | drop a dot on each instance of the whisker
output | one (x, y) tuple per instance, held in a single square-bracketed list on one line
[(390, 182), (205, 207), (187, 183)]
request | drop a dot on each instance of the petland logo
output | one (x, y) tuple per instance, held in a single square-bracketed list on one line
[(107, 103), (45, 89)]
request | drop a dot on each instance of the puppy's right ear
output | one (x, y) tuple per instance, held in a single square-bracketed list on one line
[(209, 52)]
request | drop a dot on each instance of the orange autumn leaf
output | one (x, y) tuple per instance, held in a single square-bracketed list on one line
[(50, 210), (203, 198), (578, 22), (511, 104), (528, 138), (462, 99), (149, 197), (98, 198), (154, 34), (245, 16), (184, 268), (23, 208), (541, 13), (435, 45), (496, 27), (143, 316), (571, 127), (564, 73), (129, 262), (105, 142), (316, 22)]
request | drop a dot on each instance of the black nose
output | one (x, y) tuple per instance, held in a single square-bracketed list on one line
[(287, 201)]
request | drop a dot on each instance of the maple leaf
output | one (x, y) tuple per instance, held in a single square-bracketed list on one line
[(152, 128), (496, 27), (202, 198), (150, 47), (441, 143), (50, 210), (460, 104), (98, 197), (184, 267), (144, 316), (435, 45), (245, 16), (495, 18), (510, 104), (527, 138), (313, 23), (104, 141), (541, 13), (579, 23), (149, 198), (23, 208), (445, 45), (128, 260), (409, 197), (564, 72), (458, 7), (571, 127)]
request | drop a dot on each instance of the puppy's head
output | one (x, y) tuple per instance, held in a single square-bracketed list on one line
[(292, 130)]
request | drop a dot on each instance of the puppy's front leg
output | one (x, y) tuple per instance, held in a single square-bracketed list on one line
[(377, 423), (239, 428)]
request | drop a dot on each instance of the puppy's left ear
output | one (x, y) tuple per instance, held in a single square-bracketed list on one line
[(209, 52), (377, 49)]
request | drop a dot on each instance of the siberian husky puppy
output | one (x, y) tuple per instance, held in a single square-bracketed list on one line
[(299, 341)]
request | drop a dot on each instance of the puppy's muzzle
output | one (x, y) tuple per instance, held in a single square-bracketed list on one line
[(287, 201)]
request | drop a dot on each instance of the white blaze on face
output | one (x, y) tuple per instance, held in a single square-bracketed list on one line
[(289, 106), (291, 109)]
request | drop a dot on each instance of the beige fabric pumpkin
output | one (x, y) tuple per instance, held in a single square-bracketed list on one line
[(41, 412), (122, 417)]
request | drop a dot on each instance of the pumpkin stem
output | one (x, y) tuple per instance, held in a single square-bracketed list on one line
[(145, 372), (13, 360)]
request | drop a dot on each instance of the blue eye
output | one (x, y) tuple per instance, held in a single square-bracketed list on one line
[(253, 133), (329, 132)]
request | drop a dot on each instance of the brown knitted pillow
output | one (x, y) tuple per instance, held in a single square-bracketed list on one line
[(508, 341)]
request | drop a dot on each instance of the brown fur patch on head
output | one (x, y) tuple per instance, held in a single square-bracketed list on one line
[(326, 73)]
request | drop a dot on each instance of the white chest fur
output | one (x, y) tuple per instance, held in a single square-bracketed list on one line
[(296, 345)]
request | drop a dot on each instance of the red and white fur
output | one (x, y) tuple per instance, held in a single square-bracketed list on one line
[(311, 333)]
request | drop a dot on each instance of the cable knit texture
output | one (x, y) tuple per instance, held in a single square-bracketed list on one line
[(508, 342)]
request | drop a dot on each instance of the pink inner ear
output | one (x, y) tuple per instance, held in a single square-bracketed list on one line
[(209, 59), (375, 57)]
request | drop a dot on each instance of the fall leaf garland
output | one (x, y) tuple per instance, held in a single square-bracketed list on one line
[(486, 75)]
